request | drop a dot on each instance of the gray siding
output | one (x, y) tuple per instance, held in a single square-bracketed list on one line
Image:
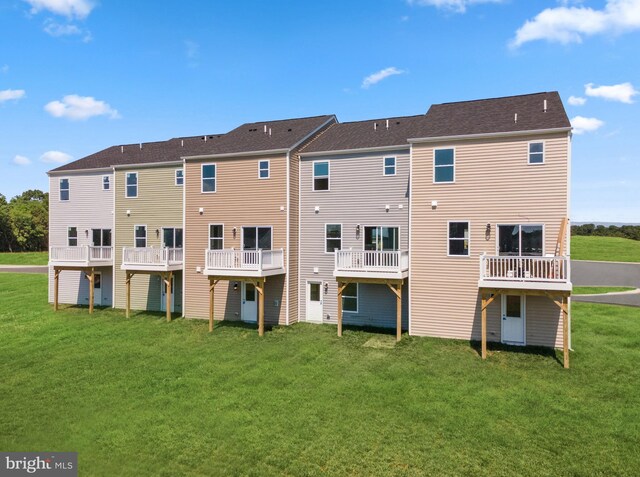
[(358, 194)]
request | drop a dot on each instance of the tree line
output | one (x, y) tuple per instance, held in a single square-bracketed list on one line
[(625, 231), (24, 222)]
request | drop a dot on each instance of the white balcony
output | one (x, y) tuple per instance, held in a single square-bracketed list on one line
[(244, 263), (82, 256), (152, 259), (386, 264), (525, 273)]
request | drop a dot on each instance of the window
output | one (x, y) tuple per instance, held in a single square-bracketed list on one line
[(520, 240), (208, 177), (179, 177), (132, 185), (443, 170), (256, 238), (64, 189), (389, 166), (321, 175), (72, 236), (350, 298), (263, 169), (458, 238), (333, 237), (140, 236), (106, 182), (171, 237), (381, 238), (101, 237), (536, 152), (216, 237)]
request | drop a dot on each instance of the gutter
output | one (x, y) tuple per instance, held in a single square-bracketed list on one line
[(236, 154), (530, 132), (354, 151)]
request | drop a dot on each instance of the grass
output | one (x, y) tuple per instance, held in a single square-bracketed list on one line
[(146, 397), (610, 249), (24, 258), (599, 290)]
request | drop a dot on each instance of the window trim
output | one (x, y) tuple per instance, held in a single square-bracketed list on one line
[(69, 238), (255, 227), (452, 165), (146, 235), (384, 166), (268, 169), (497, 235), (357, 297), (313, 176), (126, 186), (215, 178), (379, 226), (468, 255), (217, 238), (108, 182), (60, 189), (529, 153), (176, 177), (325, 237)]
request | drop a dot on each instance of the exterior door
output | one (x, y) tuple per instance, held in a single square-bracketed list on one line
[(97, 289), (163, 295), (513, 319), (249, 302), (314, 302)]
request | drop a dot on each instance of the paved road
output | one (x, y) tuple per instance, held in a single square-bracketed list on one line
[(24, 269), (607, 274)]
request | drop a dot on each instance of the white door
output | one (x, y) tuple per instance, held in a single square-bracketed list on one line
[(314, 302), (163, 295), (97, 289), (249, 302), (513, 319)]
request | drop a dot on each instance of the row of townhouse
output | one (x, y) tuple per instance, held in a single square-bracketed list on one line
[(451, 223)]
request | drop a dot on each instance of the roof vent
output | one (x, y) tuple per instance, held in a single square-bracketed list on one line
[(141, 146), (122, 149), (387, 124), (265, 129), (375, 126), (544, 108), (205, 139), (182, 143), (397, 122), (269, 132), (515, 119), (289, 129)]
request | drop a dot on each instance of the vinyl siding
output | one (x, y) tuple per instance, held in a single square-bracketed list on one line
[(358, 195), (158, 205), (494, 184)]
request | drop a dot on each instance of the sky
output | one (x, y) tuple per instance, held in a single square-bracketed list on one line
[(77, 76)]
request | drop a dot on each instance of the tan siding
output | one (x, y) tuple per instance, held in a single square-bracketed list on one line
[(294, 236), (493, 184)]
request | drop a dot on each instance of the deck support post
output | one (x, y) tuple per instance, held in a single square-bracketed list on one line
[(341, 287), (167, 281), (212, 286), (484, 304), (56, 278), (91, 276), (260, 288), (397, 291), (128, 285), (565, 332)]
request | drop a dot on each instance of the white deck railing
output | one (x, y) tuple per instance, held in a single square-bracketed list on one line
[(85, 253), (255, 260), (371, 261), (525, 269), (149, 256)]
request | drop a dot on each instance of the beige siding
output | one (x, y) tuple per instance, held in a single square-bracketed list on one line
[(494, 184), (294, 236), (158, 205)]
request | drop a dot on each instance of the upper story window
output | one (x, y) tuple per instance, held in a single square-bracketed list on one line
[(132, 185), (72, 236), (106, 182), (520, 240), (172, 237), (381, 238), (458, 238), (443, 165), (389, 166), (263, 169), (321, 175), (208, 178), (64, 189), (333, 237), (216, 237), (536, 153), (140, 236), (256, 238), (179, 177)]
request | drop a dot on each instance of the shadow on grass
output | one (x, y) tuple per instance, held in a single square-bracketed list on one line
[(243, 325), (370, 329), (523, 350)]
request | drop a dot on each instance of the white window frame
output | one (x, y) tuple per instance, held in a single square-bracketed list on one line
[(519, 224), (126, 185), (529, 153), (384, 166), (181, 177), (216, 238), (452, 165), (106, 182), (468, 222), (357, 297), (313, 176), (69, 238), (365, 226), (255, 227), (60, 189), (174, 237), (215, 178), (268, 169), (326, 238), (146, 235)]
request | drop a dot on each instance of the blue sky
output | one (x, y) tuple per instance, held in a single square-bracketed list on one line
[(77, 76)]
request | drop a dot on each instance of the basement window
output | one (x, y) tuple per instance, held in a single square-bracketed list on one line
[(350, 298)]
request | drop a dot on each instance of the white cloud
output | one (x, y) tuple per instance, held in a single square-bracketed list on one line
[(623, 92), (56, 29), (570, 24), (76, 107), (9, 94), (21, 160), (69, 8), (380, 75), (576, 101), (55, 157), (459, 6), (582, 125)]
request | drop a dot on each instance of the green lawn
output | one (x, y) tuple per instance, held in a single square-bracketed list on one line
[(24, 258), (597, 290), (146, 397), (610, 249)]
